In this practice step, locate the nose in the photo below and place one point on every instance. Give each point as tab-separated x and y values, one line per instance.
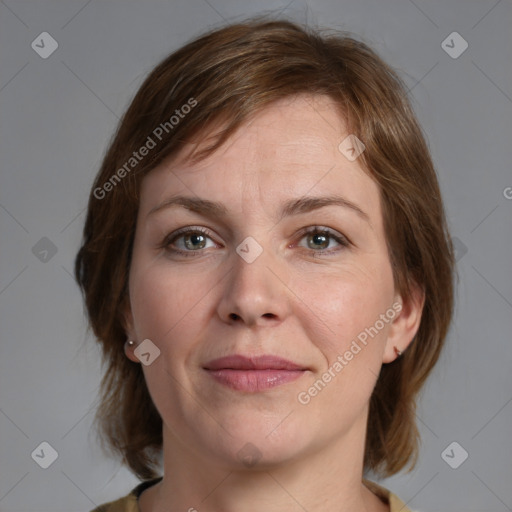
255	293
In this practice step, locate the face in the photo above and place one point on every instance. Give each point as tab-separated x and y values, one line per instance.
272	312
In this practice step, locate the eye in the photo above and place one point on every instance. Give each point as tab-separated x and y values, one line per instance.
191	241
186	241
318	239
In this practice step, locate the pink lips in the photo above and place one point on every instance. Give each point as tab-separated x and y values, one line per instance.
253	374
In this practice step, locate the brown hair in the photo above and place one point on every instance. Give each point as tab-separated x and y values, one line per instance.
224	77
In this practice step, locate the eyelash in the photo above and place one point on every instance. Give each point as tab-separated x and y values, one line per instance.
343	241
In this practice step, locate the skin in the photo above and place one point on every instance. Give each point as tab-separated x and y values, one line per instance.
292	302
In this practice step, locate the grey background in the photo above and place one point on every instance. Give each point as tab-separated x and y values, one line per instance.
57	115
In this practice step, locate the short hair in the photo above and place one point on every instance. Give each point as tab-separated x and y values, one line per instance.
223	77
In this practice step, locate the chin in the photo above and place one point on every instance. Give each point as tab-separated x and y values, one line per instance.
261	442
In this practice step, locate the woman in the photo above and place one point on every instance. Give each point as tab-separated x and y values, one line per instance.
267	267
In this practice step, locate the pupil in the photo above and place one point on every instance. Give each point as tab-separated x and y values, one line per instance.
320	239
191	241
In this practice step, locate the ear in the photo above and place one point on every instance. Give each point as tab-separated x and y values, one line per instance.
405	325
127	320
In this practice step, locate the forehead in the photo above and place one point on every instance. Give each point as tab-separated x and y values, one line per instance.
283	130
288	150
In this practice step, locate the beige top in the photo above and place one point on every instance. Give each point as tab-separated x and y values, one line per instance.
130	502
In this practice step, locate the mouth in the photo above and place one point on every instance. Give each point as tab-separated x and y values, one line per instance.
253	374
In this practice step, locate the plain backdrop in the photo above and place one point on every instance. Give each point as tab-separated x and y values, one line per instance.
57	116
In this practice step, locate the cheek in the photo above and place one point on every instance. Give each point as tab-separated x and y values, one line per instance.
350	336
164	300
341	306
166	306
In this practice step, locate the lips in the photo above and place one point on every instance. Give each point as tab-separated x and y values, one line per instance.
265	362
253	374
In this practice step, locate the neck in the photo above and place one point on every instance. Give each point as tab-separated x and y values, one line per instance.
326	479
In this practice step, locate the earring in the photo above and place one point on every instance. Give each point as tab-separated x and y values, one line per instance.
129	344
397	352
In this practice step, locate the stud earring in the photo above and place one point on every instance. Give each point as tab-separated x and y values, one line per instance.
129	344
397	352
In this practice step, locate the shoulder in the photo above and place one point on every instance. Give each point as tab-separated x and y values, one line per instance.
128	503
395	503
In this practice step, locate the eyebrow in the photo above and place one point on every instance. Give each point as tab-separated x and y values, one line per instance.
291	207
